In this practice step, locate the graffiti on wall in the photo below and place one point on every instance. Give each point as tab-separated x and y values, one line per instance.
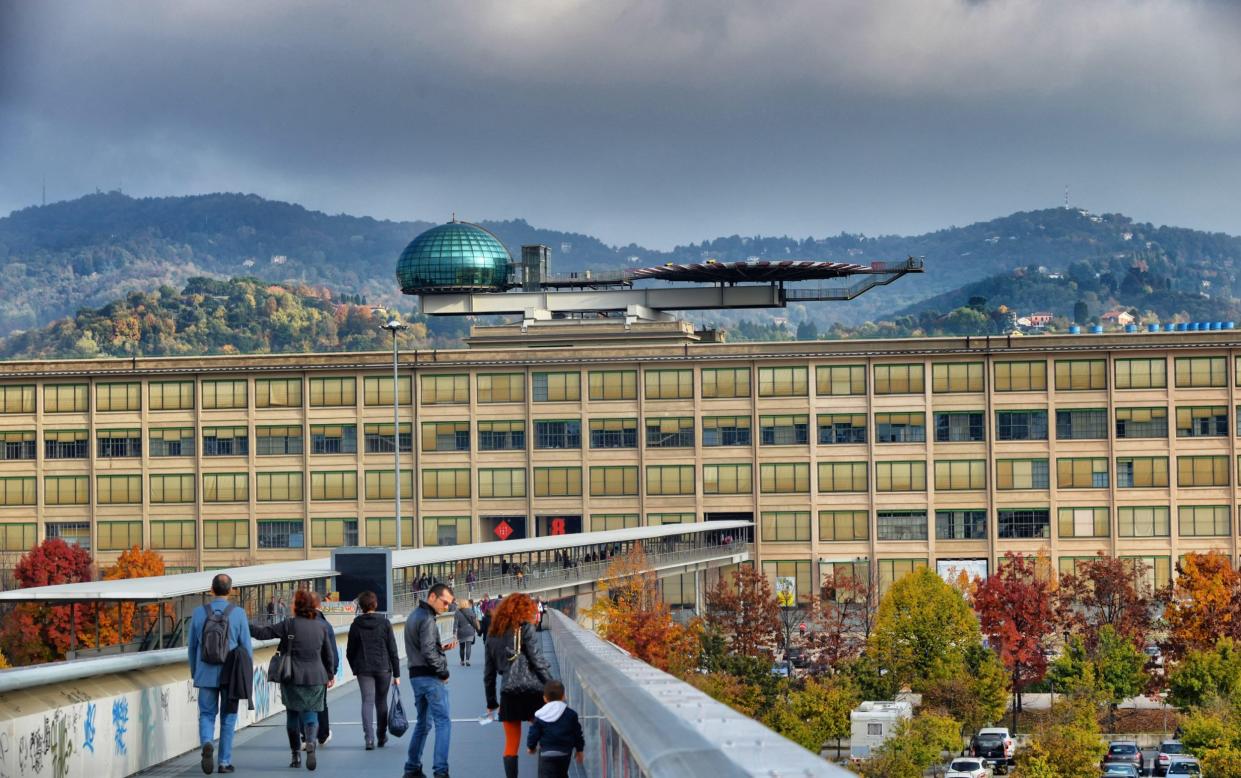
88	728
261	694
120	723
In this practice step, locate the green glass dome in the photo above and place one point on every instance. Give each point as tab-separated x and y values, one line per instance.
457	256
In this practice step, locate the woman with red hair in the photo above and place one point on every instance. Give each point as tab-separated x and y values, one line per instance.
514	653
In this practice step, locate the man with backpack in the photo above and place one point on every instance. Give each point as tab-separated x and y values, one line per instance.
216	629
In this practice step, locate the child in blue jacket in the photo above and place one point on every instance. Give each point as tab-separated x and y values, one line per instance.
556	733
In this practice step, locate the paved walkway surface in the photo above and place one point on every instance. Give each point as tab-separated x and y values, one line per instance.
263	748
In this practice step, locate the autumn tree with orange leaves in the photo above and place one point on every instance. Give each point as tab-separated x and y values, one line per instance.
1203	605
1107	591
35	633
743	610
134	563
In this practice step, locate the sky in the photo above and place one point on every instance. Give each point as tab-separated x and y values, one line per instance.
657	122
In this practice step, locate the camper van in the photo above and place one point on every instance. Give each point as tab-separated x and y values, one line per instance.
872	722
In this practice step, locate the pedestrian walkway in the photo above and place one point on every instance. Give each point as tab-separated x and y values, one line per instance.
262	750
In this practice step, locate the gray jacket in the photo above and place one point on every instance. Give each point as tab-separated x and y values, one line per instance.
423	653
465	624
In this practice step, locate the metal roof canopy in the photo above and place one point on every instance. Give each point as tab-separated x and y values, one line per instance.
765	271
185	584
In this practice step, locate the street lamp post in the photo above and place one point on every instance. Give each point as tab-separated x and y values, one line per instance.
395	325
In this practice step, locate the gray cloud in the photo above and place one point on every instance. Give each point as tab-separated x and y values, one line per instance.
656	121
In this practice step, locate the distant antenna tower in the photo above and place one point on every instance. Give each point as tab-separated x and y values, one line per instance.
1066	197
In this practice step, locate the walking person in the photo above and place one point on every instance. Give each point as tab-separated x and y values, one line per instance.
428	678
325	724
514	653
466	626
216	629
371	651
556	733
304	640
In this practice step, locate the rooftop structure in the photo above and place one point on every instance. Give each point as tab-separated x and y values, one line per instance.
454	257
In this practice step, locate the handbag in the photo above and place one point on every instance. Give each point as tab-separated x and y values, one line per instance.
280	666
397	723
519	679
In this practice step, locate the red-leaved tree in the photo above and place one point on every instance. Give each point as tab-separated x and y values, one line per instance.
744	611
1107	590
35	633
840	621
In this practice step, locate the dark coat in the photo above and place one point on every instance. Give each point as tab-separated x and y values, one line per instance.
371	649
237	679
499	648
423	652
563	735
313	659
331	640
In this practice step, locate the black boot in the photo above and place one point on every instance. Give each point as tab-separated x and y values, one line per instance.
295	745
510	767
312	742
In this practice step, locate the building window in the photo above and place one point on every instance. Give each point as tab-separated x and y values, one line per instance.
959	427
613	433
961	474
1197	372
558	433
118	397
502	436
1021	474
721	382
75	533
670	433
1203	521
842	477
893	570
382	531
899	379
118	443
281	533
445	389
172	488
333	533
336	485
446	484
1148	521
21	491
557	387
660	519
171	395
557	482
1020	376
1084	523
65	398
118	489
226	487
446	436
379	485
277	441
840	380
843	526
333	392
1141	423
1019	523
1141	373
1021	425
841	428
1202	421
949	378
613	481
900	476
17	445
1202	471
343	438
719	479
605	522
226	533
1141	472
377	391
726	431
1081	473
444	530
66	444
791	430
785	526
500	387
278	393
671	479
960	525
900	525
900	427
225	394
1077	375
381	438
613	384
1154	571
171	442
278	487
784	478
1081	424
783	381
119	535
225	442
502	482
61	490
17	398
668	384
174	535
798	570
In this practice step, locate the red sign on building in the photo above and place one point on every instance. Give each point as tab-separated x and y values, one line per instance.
557	526
503	530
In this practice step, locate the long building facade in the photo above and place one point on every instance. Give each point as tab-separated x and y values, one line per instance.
879	455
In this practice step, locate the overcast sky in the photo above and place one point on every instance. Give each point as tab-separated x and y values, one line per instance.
656	121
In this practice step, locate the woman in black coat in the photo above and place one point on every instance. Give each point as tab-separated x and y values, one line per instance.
304	639
372	656
512	625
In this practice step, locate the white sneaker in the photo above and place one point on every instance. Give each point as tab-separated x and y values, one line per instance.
327	739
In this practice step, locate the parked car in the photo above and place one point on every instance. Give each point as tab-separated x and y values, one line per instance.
797	657
1124	751
1184	766
1168	750
968	767
995	745
1125	769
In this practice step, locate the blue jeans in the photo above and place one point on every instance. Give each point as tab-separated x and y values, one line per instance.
298	720
209	698
431	708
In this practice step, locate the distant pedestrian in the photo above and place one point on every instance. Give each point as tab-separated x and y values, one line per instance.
325	722
466	626
216	629
428	678
372	655
556	733
514	654
271	610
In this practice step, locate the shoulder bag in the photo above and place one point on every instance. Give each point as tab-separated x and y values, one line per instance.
280	666
518	679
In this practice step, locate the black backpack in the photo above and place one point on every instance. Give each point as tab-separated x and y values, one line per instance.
214	643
